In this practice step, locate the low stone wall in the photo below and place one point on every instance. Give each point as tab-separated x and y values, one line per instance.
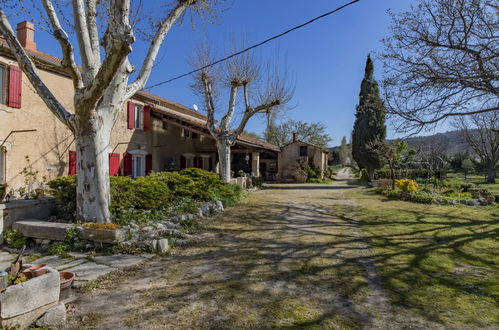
13	211
22	304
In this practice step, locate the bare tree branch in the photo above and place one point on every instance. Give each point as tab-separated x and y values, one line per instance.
442	60
68	61
93	32
163	29
90	63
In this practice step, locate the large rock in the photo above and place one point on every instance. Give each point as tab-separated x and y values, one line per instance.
23	321
53	231
53	317
24	297
163	246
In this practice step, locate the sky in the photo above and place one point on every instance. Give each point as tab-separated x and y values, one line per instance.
325	59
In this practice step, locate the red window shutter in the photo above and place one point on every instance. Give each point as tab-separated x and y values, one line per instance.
127	164
15	83
199	162
148	164
147	118
131	115
72	162
182	162
114	164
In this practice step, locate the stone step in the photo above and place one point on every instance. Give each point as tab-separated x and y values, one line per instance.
33	228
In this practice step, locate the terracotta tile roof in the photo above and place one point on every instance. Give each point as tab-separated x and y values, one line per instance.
179	108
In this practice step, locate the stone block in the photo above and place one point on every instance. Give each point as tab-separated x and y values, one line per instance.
30	295
53	317
23	321
101	235
90	271
122	260
42	229
163	246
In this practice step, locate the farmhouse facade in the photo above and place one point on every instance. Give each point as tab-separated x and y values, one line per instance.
297	154
150	134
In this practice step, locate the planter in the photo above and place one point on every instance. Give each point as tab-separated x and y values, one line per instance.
35	271
67	279
101	235
22	304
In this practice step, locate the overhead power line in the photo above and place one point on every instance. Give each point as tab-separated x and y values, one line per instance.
255	45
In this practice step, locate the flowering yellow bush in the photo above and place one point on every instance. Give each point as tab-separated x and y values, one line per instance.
407	185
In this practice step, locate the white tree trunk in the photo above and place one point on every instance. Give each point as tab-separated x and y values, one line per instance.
93	191
224	167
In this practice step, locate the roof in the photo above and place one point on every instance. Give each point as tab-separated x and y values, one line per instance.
158	100
307	143
200	122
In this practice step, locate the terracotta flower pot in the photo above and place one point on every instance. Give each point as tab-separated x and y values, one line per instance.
35	270
67	279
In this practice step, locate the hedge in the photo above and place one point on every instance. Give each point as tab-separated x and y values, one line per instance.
153	192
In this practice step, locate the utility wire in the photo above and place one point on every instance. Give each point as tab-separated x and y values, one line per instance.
254	46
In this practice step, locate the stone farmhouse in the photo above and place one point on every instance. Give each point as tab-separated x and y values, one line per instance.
299	152
150	134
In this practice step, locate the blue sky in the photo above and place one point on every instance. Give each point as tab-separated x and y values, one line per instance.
326	59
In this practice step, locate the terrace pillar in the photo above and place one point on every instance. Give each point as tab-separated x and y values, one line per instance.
255	164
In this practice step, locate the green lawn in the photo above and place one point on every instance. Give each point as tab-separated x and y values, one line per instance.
476	179
441	262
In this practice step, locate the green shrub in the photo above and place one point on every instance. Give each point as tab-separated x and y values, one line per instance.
257	182
319	181
14	239
63	189
59	249
152	197
229	194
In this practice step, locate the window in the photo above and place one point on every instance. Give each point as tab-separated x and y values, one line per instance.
303	151
186	133
189	161
205	163
138	166
139	116
3	84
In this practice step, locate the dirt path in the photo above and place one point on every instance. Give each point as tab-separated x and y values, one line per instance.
284	258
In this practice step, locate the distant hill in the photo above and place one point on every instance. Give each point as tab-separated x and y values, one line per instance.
452	141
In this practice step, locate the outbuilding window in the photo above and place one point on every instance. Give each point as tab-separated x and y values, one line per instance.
303	151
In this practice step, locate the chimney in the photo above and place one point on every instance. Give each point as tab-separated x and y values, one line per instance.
26	35
295	137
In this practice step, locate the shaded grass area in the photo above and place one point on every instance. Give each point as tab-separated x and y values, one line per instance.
264	264
441	262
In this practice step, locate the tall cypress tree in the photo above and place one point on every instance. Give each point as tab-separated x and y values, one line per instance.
369	123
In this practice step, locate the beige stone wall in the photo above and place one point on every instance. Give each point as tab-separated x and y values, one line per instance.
47	147
290	154
169	145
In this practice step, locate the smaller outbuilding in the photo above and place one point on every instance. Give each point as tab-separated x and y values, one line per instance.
297	158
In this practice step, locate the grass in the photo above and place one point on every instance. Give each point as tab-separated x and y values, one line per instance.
476	179
440	262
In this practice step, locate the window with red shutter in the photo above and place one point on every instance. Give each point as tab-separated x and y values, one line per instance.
148	164
72	162
131	115
147	118
15	84
127	164
114	164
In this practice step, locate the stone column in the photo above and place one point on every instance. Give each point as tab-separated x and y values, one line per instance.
255	164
